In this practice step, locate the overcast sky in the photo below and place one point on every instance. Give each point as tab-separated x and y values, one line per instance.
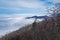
13	12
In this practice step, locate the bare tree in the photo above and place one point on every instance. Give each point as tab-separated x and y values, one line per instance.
55	10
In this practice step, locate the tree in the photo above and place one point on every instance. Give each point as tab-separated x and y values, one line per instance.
55	11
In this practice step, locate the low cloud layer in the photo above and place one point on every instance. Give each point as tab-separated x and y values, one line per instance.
12	22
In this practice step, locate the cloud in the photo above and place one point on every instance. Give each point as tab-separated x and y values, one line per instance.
22	3
12	22
23	6
20	6
31	4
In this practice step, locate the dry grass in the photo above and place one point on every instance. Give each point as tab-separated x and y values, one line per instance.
45	30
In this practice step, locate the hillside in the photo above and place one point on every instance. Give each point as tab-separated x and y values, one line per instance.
48	29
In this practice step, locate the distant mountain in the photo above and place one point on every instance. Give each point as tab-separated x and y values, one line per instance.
44	30
39	17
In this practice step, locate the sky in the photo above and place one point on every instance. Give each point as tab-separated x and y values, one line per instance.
13	12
